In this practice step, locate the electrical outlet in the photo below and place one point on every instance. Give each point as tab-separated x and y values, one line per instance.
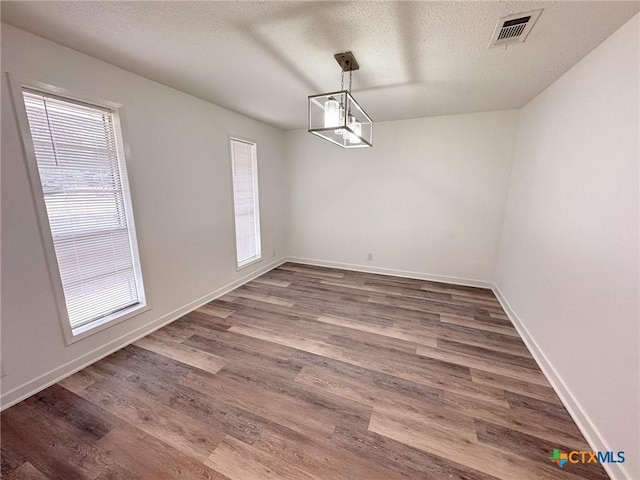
369	256
274	253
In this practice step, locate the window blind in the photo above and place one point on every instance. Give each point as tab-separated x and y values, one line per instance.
84	184
245	198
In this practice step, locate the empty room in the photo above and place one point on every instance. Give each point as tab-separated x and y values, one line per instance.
320	240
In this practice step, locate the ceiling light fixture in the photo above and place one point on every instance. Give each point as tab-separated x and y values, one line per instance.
336	116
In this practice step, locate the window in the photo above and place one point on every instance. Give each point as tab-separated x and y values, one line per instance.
245	201
85	189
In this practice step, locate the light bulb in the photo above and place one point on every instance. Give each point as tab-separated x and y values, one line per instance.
331	114
340	131
356	127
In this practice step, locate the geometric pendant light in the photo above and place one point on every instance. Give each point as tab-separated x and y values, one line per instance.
337	117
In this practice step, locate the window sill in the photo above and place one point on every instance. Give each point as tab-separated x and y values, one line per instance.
103	323
248	263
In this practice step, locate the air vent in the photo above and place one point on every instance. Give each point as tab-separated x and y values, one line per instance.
514	29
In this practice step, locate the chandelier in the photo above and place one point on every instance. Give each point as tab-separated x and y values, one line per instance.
336	116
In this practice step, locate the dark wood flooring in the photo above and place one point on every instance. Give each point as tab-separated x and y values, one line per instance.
307	373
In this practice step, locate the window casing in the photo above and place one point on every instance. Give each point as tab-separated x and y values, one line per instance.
244	170
78	172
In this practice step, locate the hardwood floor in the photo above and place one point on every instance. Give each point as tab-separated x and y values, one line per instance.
307	373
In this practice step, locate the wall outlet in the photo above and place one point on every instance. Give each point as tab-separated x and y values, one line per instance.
369	256
274	253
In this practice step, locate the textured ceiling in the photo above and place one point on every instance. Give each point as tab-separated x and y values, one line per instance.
262	59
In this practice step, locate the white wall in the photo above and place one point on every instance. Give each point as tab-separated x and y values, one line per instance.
568	262
180	181
428	198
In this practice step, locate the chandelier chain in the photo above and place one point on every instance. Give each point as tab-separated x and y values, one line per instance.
342	80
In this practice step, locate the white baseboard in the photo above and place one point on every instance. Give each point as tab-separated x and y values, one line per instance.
580	417
7	399
584	423
393	273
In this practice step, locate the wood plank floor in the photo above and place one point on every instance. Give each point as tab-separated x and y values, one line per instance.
307	373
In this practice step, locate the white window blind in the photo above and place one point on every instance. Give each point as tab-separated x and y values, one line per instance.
245	199
86	196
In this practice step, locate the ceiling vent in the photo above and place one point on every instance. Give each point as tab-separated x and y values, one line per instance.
514	29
